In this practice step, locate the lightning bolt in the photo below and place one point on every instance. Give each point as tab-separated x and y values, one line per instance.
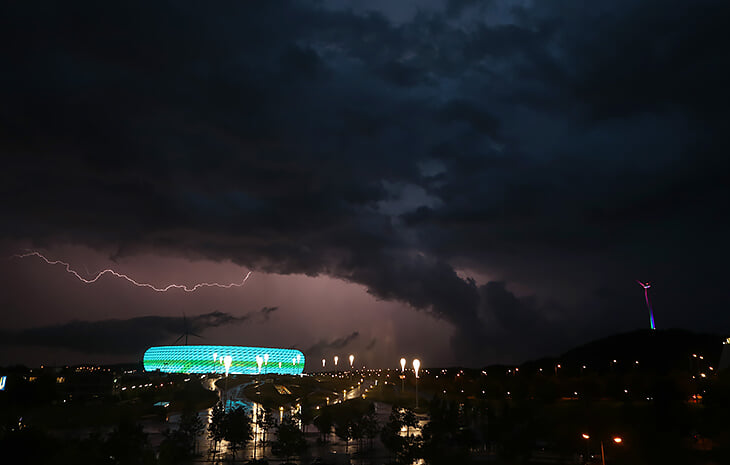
129	279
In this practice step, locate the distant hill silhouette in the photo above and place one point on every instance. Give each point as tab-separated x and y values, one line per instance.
669	349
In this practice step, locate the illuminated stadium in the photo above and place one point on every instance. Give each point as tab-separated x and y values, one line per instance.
235	360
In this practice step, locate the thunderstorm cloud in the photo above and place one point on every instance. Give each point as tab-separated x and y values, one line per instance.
508	167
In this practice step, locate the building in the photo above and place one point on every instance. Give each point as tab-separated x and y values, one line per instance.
235	360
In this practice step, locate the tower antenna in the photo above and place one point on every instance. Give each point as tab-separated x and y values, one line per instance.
646	287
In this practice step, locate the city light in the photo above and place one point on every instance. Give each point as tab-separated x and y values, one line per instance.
416	366
227	360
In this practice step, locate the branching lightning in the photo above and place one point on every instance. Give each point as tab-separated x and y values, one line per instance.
129	279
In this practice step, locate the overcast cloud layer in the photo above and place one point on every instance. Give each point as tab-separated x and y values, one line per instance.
559	149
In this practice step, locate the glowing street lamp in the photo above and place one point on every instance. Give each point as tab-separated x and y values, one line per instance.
416	366
323	362
336	359
402	374
259	362
227	360
587	457
352	359
615	439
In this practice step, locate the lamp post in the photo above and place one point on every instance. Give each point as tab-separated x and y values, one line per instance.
615	439
227	360
323	362
336	359
402	375
352	359
587	457
416	366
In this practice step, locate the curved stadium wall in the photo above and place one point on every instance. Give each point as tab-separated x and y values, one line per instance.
200	359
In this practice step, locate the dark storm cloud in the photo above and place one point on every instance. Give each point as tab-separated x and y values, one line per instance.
323	347
568	148
266	312
122	336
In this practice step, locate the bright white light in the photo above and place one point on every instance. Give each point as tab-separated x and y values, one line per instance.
227	362
336	359
259	362
323	362
352	359
266	359
402	364
416	366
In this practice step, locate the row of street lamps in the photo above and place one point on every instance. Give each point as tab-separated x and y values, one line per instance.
337	359
416	367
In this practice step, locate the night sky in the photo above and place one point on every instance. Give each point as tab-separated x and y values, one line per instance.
467	181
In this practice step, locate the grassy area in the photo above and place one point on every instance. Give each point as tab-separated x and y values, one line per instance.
132	406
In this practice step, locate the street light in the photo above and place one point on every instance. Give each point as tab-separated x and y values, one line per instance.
587	457
416	366
336	359
615	439
402	374
352	359
323	362
227	360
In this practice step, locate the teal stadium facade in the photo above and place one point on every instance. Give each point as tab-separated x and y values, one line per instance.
211	359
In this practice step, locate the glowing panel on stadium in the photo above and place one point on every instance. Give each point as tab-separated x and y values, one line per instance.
235	360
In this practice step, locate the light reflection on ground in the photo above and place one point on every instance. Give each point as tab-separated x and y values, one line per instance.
334	451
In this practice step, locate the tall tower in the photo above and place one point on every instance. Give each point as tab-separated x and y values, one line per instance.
646	287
